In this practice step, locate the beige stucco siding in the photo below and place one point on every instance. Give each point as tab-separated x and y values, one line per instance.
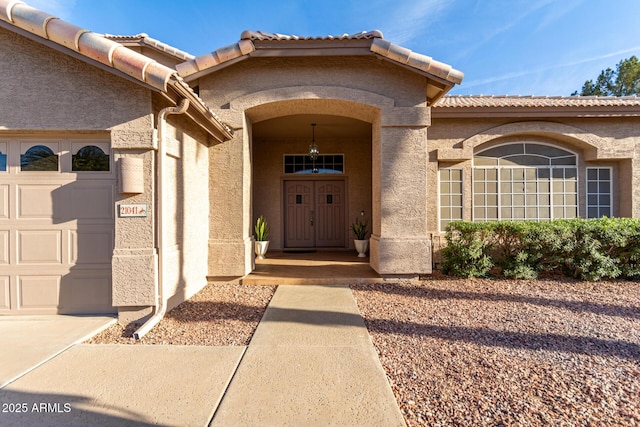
45	90
186	210
363	73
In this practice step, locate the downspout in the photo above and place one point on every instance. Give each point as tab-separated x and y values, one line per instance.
161	304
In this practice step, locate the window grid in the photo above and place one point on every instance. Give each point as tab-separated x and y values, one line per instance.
303	164
451	200
599	192
537	194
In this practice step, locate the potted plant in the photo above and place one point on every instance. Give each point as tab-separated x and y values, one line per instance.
361	242
262	234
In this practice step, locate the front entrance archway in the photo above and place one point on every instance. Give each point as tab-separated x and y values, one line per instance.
314	214
311	207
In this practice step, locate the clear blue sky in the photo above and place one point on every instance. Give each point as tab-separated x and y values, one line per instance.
514	47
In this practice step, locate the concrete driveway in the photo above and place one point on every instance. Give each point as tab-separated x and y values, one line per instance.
28	341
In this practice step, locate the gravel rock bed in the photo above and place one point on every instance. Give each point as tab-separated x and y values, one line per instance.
499	352
218	315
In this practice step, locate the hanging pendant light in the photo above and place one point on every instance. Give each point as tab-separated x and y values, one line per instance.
313	147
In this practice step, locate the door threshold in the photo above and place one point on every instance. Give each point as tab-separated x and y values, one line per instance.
299	251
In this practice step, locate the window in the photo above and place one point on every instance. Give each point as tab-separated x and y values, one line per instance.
598	192
90	159
39	158
450	196
525	181
302	164
3	162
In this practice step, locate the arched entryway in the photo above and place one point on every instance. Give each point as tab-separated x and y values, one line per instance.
309	203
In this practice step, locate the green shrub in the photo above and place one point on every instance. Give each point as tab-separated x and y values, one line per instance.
465	251
592	249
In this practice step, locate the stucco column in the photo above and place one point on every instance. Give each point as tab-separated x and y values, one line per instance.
400	244
134	260
230	240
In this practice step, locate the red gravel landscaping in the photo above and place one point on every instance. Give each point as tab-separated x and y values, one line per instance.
499	352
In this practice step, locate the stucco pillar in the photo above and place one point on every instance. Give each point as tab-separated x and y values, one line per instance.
134	260
230	240
400	244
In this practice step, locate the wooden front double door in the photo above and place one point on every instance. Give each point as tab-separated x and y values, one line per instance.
314	214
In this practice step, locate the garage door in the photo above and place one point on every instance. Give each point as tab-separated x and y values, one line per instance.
56	226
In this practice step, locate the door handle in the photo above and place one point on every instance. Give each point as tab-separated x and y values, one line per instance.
312	217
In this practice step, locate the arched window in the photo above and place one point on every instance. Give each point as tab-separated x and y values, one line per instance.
90	159
525	181
39	158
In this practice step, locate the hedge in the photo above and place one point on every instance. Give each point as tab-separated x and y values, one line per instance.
586	249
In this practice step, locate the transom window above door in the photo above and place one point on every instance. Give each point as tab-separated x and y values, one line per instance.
303	164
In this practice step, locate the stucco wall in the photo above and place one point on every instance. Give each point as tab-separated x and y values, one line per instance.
43	89
407	89
186	210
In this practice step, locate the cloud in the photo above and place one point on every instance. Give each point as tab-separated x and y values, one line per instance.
519	74
61	8
504	15
556	12
411	19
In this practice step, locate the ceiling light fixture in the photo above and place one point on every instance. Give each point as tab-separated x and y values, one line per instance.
313	147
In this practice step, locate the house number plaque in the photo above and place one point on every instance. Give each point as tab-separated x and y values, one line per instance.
132	211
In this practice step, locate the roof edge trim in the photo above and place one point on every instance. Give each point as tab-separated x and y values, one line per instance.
421	62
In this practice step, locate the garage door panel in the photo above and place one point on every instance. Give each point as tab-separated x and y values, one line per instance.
39	292
40	247
87	293
5	293
4	201
56	233
91	201
91	246
4	247
37	202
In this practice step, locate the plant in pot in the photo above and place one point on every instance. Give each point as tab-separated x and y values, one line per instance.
262	234
361	242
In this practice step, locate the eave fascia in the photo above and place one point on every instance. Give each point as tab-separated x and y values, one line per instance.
206	72
199	112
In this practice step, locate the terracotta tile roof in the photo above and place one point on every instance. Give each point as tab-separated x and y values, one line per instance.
506	101
262	35
143	39
245	47
110	53
415	60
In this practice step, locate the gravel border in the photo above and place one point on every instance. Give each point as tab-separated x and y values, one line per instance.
499	353
218	315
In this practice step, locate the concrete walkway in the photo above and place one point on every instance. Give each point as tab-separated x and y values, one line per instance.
28	341
310	362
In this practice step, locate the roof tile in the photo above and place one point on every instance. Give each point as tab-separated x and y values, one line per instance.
262	35
505	101
144	39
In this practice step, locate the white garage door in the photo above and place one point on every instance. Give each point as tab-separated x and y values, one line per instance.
56	226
